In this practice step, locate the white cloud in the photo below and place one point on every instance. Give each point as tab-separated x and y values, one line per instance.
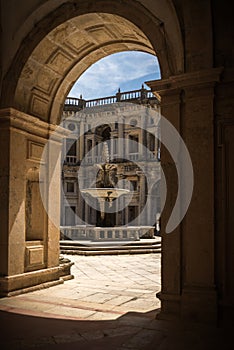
108	74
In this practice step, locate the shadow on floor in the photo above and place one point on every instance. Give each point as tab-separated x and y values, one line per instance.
134	330
20	331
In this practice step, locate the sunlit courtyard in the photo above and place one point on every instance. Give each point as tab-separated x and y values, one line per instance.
113	290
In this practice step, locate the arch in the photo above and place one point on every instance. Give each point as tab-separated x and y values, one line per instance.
37	91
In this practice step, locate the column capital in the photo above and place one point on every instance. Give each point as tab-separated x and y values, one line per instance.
181	81
20	121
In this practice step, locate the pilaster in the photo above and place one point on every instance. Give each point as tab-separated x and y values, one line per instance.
29	239
171	243
188	286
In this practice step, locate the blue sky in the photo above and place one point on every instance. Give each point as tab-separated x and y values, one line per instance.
124	70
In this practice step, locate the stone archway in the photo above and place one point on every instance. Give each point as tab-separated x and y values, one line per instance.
51	57
65	53
34	82
31	105
196	95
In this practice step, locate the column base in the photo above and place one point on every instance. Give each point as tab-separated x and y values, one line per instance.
199	304
170	306
195	305
31	281
226	313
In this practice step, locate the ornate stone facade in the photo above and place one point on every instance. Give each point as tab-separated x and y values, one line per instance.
130	131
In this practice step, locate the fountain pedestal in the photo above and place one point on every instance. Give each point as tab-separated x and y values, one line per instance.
105	191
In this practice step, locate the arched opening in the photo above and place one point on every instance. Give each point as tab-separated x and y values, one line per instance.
51	59
38	70
120	72
52	64
66	52
125	138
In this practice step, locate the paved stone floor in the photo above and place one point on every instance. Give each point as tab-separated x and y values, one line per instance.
110	304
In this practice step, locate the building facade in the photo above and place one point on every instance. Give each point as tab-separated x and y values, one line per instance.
128	124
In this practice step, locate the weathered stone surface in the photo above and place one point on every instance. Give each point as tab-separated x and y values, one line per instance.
40	60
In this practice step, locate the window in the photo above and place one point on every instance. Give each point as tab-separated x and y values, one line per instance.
115	145
70	187
133	143
133	185
133	122
96	148
151	144
89	145
71	126
71	147
70	216
132	213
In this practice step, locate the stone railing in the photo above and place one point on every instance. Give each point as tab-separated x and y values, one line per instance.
134	96
71	160
150	156
93	233
74	161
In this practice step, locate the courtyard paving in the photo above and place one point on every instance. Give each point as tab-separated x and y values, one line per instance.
110	304
104	288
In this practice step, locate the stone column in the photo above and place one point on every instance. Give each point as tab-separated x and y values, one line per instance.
29	240
142	174
116	213
110	148
199	290
171	257
143	138
121	137
188	286
80	200
78	144
152	176
81	141
224	97
93	148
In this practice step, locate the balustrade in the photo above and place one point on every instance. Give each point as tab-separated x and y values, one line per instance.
71	160
135	95
83	232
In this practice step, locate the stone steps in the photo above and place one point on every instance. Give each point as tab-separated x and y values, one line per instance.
109	248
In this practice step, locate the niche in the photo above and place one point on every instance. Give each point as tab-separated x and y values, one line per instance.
35	213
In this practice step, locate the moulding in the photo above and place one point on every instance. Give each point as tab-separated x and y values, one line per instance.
28	124
186	80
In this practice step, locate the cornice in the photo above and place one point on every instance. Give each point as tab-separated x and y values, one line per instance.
186	80
12	118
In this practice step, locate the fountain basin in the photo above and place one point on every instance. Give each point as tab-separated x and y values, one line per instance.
105	195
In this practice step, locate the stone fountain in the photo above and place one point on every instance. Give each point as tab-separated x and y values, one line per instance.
105	189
